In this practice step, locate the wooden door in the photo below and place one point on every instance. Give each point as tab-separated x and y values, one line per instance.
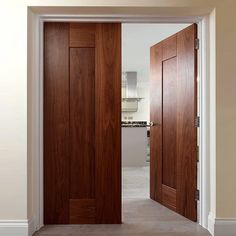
82	117
173	162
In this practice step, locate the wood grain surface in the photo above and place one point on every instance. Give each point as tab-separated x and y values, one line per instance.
56	123
169	122
173	174
82	123
108	123
82	35
156	117
187	133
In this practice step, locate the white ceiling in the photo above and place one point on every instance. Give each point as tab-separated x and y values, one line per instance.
136	42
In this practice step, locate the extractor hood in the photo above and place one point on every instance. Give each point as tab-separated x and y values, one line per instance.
130	97
131	91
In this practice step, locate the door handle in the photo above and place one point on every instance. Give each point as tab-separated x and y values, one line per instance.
151	123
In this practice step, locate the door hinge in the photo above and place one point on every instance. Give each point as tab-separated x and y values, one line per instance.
197	195
197	42
197	153
197	121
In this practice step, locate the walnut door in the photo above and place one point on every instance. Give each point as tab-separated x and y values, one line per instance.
173	137
82	134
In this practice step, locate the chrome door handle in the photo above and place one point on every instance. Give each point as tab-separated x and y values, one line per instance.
151	123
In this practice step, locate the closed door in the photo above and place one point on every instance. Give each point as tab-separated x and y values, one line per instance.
82	134
173	137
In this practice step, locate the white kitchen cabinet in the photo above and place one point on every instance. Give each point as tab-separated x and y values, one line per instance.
134	146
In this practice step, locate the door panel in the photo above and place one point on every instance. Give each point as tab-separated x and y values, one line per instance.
156	117
169	48
169	122
82	177
82	123
82	135
82	211
169	197
56	134
108	122
82	35
174	109
187	112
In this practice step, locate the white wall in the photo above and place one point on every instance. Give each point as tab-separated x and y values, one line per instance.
13	93
13	113
136	42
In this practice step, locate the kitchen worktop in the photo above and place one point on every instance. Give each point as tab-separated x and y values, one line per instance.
133	124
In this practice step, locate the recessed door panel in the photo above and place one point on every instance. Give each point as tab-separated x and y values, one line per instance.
82	135
82	123
169	122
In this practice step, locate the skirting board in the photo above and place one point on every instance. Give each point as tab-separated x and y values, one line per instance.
221	226
16	227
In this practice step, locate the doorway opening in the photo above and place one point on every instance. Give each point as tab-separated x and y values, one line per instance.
38	132
137	40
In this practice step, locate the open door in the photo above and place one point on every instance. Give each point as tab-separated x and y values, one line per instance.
173	136
82	133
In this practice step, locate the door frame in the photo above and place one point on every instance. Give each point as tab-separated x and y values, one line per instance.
35	103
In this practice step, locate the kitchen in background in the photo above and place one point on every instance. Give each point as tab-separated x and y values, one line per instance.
135	120
136	42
